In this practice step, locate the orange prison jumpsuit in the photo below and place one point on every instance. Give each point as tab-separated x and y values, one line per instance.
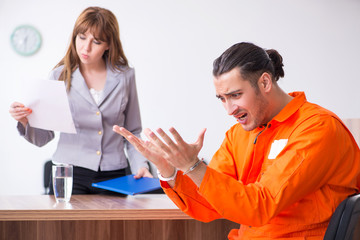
280	181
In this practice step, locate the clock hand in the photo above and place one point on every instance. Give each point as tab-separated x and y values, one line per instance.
25	41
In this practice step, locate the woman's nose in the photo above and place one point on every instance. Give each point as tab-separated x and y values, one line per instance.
88	46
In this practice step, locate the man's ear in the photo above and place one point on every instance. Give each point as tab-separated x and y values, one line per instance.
265	82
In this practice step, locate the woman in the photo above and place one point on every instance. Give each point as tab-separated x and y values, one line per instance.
102	92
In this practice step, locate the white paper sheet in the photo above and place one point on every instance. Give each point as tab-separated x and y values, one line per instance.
49	103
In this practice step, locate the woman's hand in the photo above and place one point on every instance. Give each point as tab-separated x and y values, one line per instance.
143	172
19	112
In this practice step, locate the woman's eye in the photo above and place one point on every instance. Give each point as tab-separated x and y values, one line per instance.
97	42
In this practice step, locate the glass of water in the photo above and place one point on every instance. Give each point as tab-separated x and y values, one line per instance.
62	176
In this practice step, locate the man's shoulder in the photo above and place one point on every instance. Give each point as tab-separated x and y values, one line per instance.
314	111
313	116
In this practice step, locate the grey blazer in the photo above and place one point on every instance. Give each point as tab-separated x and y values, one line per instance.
96	145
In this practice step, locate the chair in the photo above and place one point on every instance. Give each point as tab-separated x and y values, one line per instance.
345	222
47	175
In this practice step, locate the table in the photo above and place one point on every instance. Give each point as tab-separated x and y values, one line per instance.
102	217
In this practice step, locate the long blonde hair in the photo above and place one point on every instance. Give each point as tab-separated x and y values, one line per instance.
104	26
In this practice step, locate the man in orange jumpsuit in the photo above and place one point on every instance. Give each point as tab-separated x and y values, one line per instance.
281	170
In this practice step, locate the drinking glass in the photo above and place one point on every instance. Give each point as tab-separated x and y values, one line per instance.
62	176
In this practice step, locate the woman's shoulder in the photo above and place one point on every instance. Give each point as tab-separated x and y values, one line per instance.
55	73
124	69
124	72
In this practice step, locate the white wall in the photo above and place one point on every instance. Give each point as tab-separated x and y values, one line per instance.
172	45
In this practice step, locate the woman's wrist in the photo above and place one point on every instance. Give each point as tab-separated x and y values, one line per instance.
24	122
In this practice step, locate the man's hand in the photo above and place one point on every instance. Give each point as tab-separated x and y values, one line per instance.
167	154
179	154
148	150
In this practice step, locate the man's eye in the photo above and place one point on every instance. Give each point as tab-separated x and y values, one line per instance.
235	95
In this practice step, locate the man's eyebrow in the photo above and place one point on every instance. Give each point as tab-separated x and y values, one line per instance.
229	93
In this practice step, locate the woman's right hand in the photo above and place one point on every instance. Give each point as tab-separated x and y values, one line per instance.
19	112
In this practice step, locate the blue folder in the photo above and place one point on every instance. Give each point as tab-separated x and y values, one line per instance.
129	185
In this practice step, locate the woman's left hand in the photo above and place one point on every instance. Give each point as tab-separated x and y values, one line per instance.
143	172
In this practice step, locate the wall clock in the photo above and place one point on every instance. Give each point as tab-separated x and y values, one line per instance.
25	40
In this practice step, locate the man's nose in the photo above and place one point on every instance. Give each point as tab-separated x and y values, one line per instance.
230	107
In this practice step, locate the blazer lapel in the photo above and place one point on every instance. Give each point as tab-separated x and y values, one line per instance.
112	80
78	84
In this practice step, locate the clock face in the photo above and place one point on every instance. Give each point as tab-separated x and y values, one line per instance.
25	40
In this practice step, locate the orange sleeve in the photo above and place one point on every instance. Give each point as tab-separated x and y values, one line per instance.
186	197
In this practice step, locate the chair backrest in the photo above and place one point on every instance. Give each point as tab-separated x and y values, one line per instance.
345	222
47	175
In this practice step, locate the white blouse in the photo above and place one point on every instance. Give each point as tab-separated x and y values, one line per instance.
96	95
